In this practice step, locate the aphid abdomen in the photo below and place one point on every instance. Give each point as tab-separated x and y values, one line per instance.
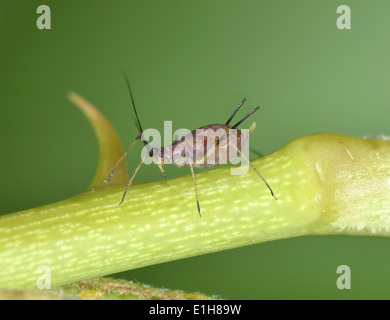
211	145
206	147
225	151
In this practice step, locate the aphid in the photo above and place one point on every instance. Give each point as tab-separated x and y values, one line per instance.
177	153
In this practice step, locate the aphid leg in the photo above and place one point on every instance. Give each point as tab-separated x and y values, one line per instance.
196	190
162	170
252	166
132	178
120	160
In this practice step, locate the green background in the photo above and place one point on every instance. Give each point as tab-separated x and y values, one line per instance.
192	62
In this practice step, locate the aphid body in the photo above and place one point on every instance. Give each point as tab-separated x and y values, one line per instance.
206	146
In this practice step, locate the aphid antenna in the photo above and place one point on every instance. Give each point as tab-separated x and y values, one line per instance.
138	122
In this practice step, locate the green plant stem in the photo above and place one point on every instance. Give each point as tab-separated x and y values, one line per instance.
325	184
102	289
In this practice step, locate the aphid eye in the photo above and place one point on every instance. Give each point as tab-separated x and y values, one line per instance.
151	153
